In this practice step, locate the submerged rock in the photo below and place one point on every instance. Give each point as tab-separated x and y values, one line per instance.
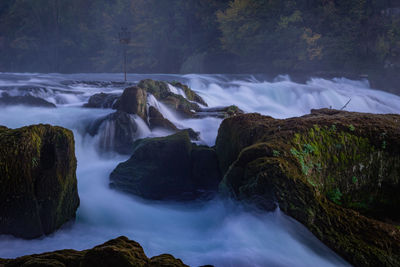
103	100
38	186
335	172
120	252
26	100
168	168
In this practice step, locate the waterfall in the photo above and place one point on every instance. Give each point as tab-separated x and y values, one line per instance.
216	232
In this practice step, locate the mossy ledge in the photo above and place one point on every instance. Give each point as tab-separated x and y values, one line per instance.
38	186
336	172
116	252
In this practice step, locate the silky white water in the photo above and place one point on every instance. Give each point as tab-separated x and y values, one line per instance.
217	232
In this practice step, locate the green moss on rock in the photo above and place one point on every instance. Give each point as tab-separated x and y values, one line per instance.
38	186
312	177
161	91
120	252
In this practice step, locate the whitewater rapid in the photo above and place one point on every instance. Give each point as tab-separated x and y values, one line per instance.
217	232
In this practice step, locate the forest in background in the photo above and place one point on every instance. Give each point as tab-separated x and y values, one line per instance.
201	36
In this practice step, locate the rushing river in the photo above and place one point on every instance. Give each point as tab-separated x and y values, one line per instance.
217	232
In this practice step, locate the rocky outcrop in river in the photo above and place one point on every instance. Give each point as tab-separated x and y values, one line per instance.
120	252
119	130
26	100
336	172
38	186
168	168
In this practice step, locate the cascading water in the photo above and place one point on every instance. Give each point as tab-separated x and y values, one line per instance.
176	91
217	232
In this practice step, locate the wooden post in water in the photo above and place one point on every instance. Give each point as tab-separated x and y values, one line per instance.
124	39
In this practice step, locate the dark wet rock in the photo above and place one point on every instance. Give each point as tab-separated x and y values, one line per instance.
118	131
38	186
133	101
120	252
168	168
193	135
102	100
335	172
157	120
26	100
219	112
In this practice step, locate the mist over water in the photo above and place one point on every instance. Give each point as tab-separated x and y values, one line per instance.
217	232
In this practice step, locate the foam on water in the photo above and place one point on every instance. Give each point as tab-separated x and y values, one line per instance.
218	232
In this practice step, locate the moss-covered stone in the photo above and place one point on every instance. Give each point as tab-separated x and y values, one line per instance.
120	252
38	186
168	168
336	172
161	91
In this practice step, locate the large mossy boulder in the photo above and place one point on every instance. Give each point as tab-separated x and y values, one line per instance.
38	186
336	172
120	252
168	168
